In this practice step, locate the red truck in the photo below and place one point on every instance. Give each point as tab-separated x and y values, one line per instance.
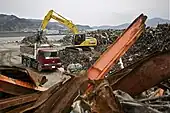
40	56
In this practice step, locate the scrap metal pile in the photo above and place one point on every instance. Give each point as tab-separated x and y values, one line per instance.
141	87
40	38
106	96
151	40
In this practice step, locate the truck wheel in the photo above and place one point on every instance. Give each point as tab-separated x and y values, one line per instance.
39	68
29	63
34	64
24	62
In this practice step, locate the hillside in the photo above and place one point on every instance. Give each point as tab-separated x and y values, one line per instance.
150	22
14	23
154	21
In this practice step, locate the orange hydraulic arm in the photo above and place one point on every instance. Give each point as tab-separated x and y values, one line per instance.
117	49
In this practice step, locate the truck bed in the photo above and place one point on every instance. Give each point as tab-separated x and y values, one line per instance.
27	50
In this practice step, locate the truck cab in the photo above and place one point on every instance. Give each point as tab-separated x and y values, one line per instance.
47	59
41	57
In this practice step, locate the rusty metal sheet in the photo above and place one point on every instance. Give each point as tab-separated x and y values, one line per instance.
18	100
17	87
37	78
21	108
17	73
17	81
24	74
109	58
104	101
59	97
142	75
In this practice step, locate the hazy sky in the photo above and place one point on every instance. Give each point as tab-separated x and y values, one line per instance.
91	12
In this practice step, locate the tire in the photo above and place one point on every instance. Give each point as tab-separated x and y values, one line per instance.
24	62
34	64
39	68
28	63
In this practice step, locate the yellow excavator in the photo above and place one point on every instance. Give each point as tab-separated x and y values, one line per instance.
79	40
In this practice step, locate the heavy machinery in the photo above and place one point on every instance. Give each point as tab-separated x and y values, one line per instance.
132	79
60	97
40	56
79	40
69	89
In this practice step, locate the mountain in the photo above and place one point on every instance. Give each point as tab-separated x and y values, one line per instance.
14	23
103	27
154	21
83	27
150	22
122	26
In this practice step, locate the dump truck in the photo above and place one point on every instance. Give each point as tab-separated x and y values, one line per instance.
40	56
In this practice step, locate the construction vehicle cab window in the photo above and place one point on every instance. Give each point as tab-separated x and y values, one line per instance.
48	54
79	38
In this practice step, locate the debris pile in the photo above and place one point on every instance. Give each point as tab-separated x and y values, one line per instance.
114	94
66	40
151	40
105	37
18	81
86	59
158	104
29	40
139	87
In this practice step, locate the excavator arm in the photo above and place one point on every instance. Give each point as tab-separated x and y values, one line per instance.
68	23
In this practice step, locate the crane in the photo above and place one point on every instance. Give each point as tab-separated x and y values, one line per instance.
79	40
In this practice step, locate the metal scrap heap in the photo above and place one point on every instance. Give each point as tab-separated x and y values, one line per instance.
140	87
120	93
151	40
36	38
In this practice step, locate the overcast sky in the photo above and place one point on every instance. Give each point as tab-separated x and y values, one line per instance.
91	12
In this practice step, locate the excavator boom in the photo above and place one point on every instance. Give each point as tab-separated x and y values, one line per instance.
68	23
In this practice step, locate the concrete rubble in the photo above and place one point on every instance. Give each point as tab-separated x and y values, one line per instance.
153	39
141	86
35	38
106	96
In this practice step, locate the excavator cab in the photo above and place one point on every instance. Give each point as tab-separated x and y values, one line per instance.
79	38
